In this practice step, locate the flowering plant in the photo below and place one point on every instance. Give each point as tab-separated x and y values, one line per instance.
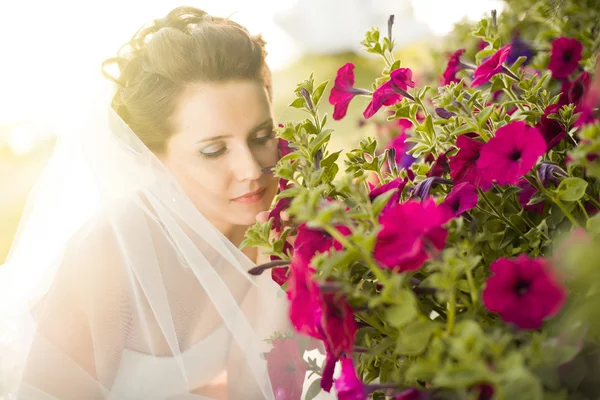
459	274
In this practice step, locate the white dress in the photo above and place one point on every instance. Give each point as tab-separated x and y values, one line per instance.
162	374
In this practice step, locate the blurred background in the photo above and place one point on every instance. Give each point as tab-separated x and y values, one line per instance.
51	52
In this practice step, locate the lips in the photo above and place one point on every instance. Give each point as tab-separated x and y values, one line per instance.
251	197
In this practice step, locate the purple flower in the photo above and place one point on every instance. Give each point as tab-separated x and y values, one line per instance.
312	241
564	57
551	173
348	386
551	129
463	165
463	197
281	205
424	187
403	159
454	65
523	291
511	153
490	67
519	48
280	274
391	91
443	113
343	91
413	394
411	231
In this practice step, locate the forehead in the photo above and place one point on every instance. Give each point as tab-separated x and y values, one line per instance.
227	108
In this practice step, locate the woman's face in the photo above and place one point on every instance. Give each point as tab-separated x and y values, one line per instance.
223	138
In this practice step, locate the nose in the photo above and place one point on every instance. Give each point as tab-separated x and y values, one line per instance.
245	166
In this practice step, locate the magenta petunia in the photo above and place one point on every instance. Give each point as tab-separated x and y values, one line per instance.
411	232
305	302
523	291
511	153
463	165
275	213
440	166
390	92
463	197
552	131
343	91
454	65
287	368
310	241
397	184
280	275
564	57
574	92
339	331
348	386
490	67
526	193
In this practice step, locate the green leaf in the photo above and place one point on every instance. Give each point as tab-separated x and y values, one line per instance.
414	338
330	159
483	115
298	103
318	142
404	311
571	189
593	225
316	96
313	390
381	200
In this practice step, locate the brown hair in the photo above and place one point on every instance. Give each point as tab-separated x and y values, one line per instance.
167	55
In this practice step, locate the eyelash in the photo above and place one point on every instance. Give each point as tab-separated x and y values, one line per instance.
258	141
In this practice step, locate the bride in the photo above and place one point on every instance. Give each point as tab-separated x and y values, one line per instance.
147	295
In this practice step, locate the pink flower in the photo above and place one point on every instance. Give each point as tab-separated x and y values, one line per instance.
275	213
391	91
280	274
564	57
551	129
463	197
284	146
343	91
287	368
523	291
410	232
463	165
348	386
413	394
440	166
454	65
511	153
403	159
490	67
309	242
574	92
398	184
339	329
526	193
305	301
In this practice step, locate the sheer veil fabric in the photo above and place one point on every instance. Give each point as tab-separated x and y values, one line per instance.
116	287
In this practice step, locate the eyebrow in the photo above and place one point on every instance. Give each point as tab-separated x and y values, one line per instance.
267	123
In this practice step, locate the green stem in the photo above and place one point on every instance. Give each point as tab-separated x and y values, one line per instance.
472	289
451	312
500	215
583	210
538	185
337	235
375	324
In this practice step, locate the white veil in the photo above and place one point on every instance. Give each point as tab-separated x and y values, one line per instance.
116	287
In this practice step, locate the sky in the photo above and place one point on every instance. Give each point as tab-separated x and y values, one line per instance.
52	49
